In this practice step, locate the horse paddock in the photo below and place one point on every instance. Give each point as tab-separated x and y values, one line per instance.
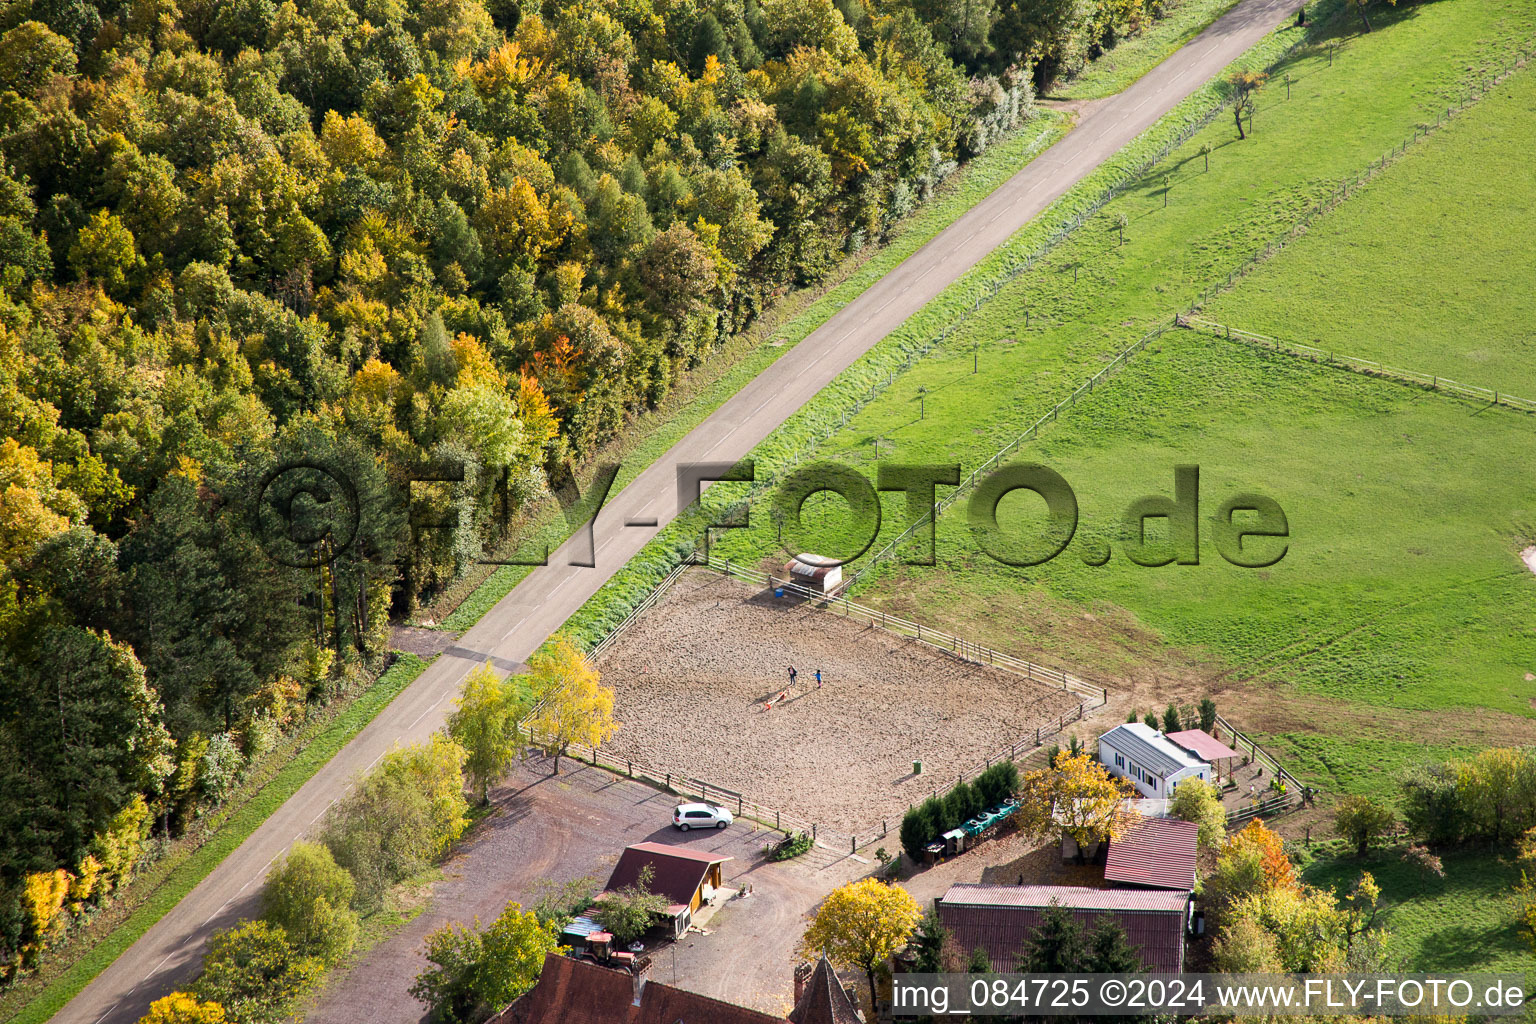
692	675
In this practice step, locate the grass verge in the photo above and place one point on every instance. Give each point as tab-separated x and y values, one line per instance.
1117	68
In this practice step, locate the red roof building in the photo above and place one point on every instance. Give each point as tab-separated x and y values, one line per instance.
1156	852
685	876
1203	745
1001	919
580	992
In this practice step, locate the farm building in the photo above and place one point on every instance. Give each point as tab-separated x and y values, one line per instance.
1157	853
1001	918
688	878
1150	760
814	572
577	992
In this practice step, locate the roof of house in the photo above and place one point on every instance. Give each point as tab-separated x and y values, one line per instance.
1149	748
1157	852
679	870
579	992
1203	745
824	1000
1001	919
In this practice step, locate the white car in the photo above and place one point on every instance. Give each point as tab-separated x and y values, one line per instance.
687	816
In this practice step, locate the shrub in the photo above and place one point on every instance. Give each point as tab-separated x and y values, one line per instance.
1195	800
221	766
961	804
475	975
1420	857
916	831
399	818
255	973
181	1008
997	783
629	912
310	896
792	845
558	904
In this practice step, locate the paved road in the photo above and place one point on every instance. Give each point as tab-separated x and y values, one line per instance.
169	952
559	828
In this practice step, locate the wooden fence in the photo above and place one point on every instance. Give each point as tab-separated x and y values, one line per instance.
967	650
1358	364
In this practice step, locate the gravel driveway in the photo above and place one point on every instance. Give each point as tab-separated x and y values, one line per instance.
561	828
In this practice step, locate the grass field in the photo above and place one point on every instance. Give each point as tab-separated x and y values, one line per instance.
1123	64
1370	279
1461	922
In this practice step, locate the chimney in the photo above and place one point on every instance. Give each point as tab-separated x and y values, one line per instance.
802	975
641	969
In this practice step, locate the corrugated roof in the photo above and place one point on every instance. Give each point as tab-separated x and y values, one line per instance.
1156	851
580	992
992	918
1149	748
679	870
1070	896
1203	745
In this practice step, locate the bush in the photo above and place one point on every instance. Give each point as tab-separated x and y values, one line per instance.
255	973
475	975
310	896
792	845
961	804
401	816
916	830
1195	800
629	912
997	783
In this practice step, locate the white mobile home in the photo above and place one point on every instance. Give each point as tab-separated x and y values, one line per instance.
1153	762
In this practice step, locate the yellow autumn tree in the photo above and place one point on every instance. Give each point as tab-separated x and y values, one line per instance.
1076	797
862	924
181	1008
42	899
572	706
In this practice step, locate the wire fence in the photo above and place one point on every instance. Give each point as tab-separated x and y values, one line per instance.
1083	390
1373	169
1360	365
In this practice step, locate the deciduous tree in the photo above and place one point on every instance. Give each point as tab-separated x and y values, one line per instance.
862	924
571	706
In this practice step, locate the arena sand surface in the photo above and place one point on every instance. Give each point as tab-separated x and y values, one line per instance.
691	675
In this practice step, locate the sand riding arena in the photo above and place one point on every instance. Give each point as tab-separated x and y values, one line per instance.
692	675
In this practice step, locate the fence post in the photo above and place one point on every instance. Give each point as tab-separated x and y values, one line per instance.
776	826
738	803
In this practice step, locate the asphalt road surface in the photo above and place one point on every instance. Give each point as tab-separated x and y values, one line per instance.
169	953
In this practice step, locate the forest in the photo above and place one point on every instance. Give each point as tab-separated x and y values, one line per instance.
388	241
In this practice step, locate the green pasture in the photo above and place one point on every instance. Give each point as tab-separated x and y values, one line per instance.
1430	267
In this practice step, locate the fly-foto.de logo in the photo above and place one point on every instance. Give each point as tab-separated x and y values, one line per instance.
1247	529
1020	514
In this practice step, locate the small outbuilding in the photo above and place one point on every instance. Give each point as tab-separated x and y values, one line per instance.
813	572
1151	761
687	877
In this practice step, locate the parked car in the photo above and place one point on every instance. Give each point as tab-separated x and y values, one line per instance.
687	816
